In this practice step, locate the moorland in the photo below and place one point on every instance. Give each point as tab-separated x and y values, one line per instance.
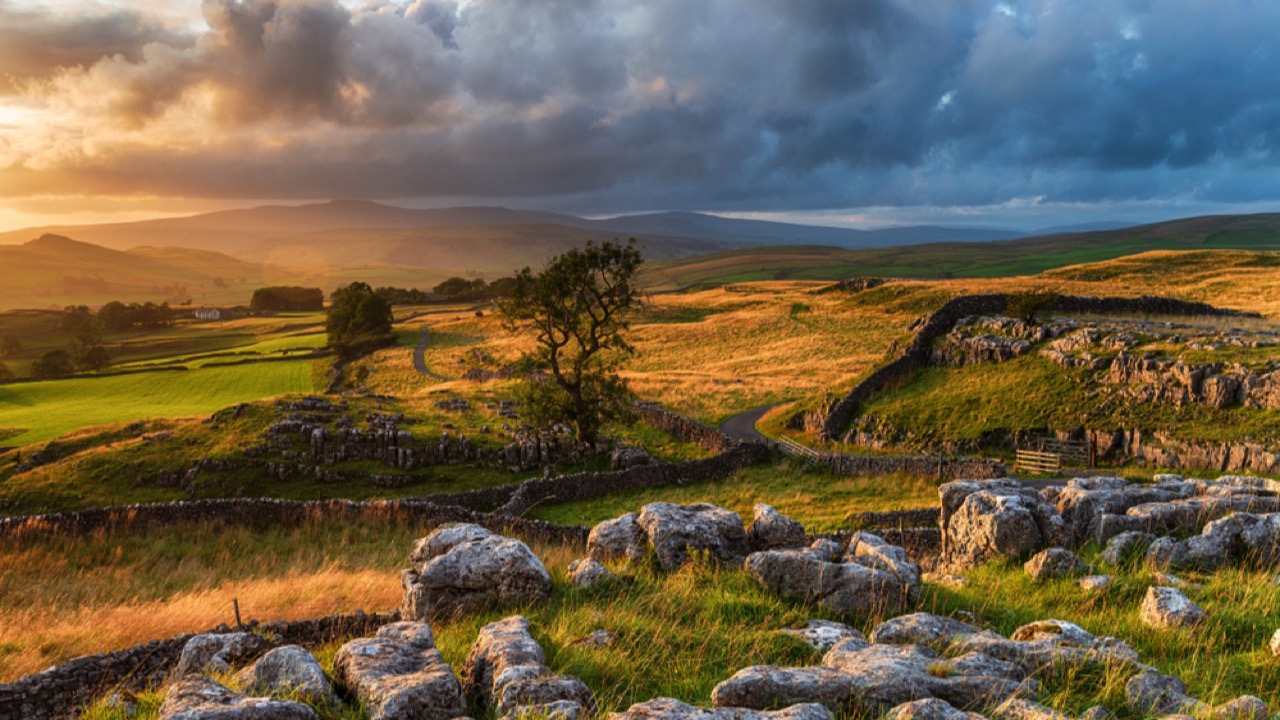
194	411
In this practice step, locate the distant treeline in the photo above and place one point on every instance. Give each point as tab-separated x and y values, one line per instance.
116	316
455	289
284	298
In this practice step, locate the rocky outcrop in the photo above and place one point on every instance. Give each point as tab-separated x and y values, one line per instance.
506	669
673	531
871	576
859	678
994	519
289	670
1237	538
197	697
460	567
1166	607
399	675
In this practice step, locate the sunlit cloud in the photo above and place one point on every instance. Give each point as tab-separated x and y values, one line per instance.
603	106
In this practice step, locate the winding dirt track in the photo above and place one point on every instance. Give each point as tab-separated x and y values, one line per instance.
419	360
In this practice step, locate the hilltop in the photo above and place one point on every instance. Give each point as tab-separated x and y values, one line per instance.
53	270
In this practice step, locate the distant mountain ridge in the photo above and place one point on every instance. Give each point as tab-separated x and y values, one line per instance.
234	231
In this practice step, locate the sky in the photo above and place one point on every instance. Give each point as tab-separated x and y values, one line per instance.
1029	114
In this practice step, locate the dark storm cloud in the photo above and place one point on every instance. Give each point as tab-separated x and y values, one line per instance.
34	46
716	104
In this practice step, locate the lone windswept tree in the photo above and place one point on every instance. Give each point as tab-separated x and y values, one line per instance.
576	309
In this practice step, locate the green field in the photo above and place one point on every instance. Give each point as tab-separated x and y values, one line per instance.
46	410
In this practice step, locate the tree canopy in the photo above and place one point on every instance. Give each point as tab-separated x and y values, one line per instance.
357	319
284	298
576	310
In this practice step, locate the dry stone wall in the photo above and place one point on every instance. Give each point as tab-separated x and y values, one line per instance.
60	691
920	352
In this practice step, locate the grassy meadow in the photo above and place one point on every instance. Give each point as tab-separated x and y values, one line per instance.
153	583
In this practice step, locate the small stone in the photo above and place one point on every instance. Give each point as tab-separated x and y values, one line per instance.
1168	580
1275	644
1053	563
598	640
1095	583
1097	712
823	635
1166	607
589	572
955	582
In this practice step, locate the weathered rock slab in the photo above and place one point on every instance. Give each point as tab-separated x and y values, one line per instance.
290	670
1166	607
197	697
399	675
462	567
675	530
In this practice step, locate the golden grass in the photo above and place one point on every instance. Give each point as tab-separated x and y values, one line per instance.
33	638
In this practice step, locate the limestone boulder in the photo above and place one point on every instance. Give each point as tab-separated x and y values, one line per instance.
771	530
1166	607
1126	546
844	587
621	538
766	686
676	530
460	568
399	675
289	670
995	521
589	572
822	635
670	709
218	653
1053	563
1275	644
935	631
874	552
930	709
197	697
1095	583
506	668
886	676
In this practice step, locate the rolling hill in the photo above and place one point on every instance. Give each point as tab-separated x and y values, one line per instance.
246	230
1024	256
54	271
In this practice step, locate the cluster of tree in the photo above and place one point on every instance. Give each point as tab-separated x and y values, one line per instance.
115	316
576	310
357	319
455	289
284	298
